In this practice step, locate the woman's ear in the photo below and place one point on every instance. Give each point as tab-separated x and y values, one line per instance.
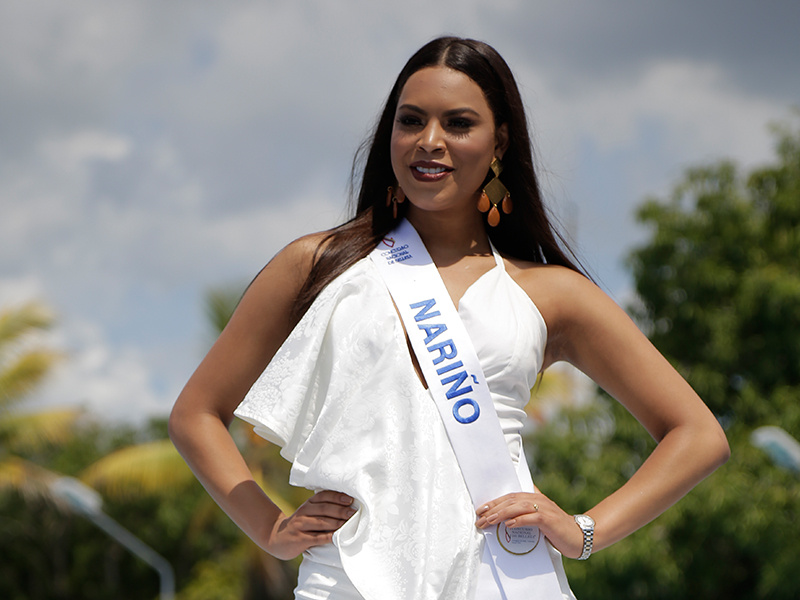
501	140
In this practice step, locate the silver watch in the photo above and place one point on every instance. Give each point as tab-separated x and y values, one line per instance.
586	523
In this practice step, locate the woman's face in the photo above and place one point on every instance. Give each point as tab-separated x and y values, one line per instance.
443	140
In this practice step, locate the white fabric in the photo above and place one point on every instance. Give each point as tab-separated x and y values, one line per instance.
321	576
343	401
520	567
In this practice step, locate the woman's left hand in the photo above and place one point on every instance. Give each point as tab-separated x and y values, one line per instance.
522	509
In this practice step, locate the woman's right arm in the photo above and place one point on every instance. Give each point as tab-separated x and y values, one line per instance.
198	425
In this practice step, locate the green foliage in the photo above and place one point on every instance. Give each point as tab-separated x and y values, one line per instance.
719	283
731	537
46	553
219	306
22	366
24	363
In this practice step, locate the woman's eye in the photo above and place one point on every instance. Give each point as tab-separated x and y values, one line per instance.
409	121
459	123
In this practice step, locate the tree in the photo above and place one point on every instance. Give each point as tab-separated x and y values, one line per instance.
719	288
50	553
47	552
24	364
720	285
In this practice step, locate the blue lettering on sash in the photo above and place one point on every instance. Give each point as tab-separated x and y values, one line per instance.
476	411
456	380
443	353
432	331
447	351
425	305
450	367
400	258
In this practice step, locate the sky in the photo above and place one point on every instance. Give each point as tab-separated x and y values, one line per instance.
151	151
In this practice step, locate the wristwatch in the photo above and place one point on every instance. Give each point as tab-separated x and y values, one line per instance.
586	523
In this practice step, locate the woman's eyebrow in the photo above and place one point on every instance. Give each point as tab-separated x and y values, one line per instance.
447	113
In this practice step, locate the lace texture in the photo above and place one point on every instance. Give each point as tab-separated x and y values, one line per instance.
342	400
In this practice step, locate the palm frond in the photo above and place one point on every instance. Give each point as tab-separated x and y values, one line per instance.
26	432
153	468
23	374
26	478
18	321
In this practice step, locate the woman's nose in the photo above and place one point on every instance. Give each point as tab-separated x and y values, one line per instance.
431	137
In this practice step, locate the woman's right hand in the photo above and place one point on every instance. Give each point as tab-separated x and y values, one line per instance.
313	524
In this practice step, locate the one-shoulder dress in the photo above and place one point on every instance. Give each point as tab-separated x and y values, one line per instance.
343	401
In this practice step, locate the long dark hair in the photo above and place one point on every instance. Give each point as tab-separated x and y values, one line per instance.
527	233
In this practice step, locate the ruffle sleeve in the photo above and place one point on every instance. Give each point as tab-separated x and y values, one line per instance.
343	401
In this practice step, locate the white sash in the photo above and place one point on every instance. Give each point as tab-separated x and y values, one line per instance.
518	559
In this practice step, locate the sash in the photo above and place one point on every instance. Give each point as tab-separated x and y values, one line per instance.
516	562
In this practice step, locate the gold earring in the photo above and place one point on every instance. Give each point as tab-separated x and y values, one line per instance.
394	198
495	194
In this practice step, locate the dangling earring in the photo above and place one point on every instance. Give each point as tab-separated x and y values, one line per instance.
494	194
395	198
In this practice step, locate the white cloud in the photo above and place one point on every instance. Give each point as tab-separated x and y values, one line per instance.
75	150
697	112
18	290
112	384
608	145
107	265
149	150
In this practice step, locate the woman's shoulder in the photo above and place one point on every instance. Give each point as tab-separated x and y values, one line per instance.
572	305
303	250
281	279
294	261
561	294
541	279
291	266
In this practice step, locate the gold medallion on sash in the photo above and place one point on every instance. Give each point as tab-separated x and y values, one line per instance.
518	540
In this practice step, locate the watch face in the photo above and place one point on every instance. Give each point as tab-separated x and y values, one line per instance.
585	521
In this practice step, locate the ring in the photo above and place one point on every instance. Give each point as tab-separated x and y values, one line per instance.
535	508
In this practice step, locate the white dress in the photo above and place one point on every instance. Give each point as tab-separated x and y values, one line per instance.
343	401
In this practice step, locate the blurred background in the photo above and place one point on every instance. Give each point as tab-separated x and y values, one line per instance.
154	156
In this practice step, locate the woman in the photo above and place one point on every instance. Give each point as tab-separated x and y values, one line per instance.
343	392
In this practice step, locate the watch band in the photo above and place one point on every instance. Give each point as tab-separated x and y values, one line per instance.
586	523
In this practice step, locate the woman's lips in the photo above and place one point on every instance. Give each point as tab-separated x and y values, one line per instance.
429	171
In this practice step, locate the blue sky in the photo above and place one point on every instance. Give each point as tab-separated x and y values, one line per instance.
152	150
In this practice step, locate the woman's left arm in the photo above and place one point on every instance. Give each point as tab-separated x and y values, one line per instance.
587	329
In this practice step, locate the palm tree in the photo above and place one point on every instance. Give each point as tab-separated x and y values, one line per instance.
146	469
155	468
24	364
